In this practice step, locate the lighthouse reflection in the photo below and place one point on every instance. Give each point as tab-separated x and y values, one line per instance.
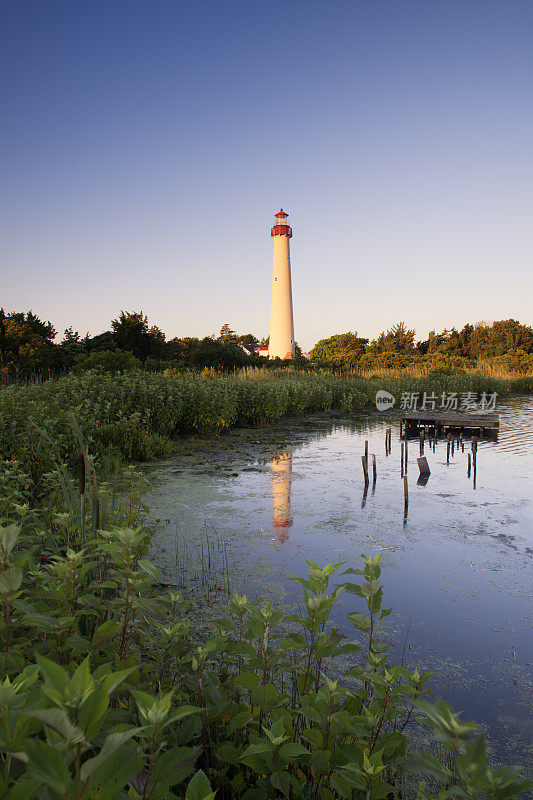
281	492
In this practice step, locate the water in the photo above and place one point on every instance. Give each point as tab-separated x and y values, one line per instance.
457	570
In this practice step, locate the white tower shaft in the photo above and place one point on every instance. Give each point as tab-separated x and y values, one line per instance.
281	344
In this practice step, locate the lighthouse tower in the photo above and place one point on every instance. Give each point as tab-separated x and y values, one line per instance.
281	344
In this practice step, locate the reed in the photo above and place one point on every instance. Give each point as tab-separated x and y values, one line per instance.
140	416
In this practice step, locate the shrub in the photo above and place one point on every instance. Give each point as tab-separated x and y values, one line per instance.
112	361
106	691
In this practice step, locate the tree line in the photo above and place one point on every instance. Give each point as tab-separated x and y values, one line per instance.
29	346
505	344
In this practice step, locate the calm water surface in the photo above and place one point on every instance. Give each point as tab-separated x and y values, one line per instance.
457	571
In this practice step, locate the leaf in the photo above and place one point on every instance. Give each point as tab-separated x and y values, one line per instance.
176	764
290	750
111	682
282	782
360	621
93	711
228	752
149	568
112	743
247	680
181	713
255	756
58	720
8	538
104	632
55	676
199	787
110	778
239	721
10	580
24	788
47	764
426	764
381	790
353	588
81	683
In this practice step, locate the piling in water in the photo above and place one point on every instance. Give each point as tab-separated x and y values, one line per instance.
365	469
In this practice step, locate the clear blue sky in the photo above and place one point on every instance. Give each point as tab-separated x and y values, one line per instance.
145	147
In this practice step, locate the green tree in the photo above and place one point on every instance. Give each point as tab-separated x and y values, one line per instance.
227	335
398	339
341	350
102	341
130	332
70	347
157	342
248	339
26	344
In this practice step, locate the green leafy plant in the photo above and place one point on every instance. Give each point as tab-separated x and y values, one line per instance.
107	692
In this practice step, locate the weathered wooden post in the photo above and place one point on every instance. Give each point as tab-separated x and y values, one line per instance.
448	444
469	465
403	457
405	495
423	466
374	469
365	469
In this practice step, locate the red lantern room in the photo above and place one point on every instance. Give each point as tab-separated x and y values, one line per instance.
281	224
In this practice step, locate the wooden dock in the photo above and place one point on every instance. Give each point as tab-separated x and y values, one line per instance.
439	423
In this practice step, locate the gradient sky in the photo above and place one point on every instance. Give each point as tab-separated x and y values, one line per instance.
146	145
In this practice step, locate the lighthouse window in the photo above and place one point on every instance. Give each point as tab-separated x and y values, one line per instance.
275	279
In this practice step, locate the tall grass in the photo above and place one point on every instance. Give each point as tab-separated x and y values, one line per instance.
139	416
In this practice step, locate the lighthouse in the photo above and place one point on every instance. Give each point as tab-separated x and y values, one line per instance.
281	344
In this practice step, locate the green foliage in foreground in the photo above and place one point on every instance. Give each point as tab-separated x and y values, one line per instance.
139	416
105	693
